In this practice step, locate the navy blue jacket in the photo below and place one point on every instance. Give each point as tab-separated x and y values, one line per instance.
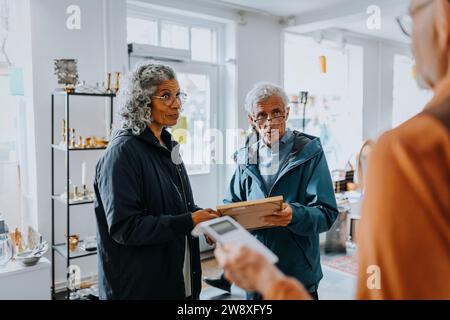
143	208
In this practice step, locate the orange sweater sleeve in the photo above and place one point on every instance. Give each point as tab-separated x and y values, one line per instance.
404	234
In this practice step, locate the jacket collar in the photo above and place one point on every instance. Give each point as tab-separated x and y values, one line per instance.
148	136
305	147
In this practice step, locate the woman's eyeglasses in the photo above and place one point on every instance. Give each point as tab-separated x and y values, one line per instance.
168	99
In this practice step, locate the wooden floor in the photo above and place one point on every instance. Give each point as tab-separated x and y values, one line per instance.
210	269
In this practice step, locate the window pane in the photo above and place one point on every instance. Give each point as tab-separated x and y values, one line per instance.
10	195
409	99
203	44
142	31
8	127
174	35
335	97
196	114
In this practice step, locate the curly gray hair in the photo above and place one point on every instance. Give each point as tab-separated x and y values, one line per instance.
262	91
135	96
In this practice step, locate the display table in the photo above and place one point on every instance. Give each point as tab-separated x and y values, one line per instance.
18	282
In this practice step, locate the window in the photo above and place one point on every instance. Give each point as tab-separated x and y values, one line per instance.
199	79
203	44
143	31
335	97
173	33
409	99
8	123
197	117
9	167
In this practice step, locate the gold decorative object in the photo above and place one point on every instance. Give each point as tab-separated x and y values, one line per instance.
34	238
108	83
12	235
72	138
87	143
18	240
69	88
63	131
80	142
67	73
323	64
100	143
73	242
116	82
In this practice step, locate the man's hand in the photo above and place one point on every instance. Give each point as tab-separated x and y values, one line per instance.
203	215
280	218
246	267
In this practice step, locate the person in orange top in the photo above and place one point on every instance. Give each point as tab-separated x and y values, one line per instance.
404	236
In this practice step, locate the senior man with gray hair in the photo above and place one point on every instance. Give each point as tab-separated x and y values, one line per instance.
278	161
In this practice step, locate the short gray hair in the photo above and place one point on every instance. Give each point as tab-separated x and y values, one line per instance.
261	91
135	96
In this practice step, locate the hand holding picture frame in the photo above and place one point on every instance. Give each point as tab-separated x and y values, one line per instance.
249	213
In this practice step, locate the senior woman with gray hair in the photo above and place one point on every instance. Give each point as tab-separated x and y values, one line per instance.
281	162
144	205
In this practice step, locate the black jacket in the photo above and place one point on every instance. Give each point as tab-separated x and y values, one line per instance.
143	208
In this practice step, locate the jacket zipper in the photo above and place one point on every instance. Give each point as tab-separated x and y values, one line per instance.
292	168
178	168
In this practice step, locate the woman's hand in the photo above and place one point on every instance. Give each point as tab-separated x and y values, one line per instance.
203	215
280	218
246	267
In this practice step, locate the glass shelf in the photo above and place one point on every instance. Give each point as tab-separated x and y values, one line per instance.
63	93
78	253
72	202
63	148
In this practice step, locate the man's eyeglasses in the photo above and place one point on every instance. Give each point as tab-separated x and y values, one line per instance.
405	21
168	99
275	118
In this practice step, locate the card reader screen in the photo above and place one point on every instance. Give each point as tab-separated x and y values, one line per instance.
223	227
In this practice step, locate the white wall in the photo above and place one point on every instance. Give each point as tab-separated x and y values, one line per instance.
379	85
97	54
378	79
18	48
259	56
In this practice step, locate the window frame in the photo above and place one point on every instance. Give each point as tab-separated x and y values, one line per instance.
217	28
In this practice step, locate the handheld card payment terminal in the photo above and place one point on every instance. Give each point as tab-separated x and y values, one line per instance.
226	229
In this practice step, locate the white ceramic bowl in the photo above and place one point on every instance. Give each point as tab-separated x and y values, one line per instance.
27	260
